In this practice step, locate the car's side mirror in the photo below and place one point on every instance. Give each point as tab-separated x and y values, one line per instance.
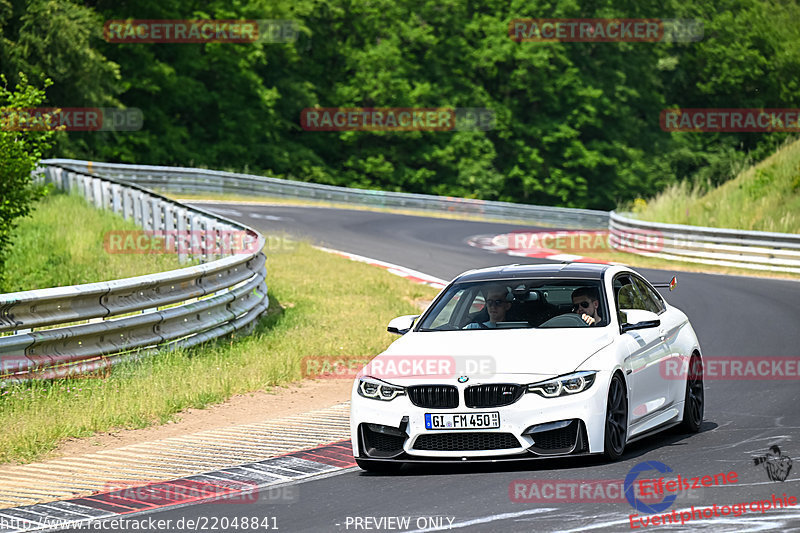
638	319
402	324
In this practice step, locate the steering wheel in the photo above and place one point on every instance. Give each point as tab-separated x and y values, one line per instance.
568	319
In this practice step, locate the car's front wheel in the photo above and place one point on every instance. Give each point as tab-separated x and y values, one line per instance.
616	419
694	400
378	467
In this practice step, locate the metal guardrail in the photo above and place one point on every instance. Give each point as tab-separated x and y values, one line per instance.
129	318
191	180
757	250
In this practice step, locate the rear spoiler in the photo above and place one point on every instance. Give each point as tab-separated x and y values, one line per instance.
671	285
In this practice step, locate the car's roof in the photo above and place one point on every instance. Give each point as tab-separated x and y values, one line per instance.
551	270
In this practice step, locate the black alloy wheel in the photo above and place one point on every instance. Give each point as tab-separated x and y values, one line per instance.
616	419
694	402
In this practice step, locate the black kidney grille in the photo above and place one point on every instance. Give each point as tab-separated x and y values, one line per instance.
495	395
434	396
455	442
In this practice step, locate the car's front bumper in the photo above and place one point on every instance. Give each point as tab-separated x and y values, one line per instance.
395	430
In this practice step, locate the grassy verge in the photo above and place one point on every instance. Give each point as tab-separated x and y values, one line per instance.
765	197
329	306
61	243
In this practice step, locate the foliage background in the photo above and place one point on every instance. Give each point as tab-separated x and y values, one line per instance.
577	123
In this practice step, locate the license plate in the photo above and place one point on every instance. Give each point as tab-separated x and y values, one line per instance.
462	421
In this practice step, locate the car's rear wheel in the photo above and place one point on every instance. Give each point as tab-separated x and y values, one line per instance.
694	401
378	467
616	419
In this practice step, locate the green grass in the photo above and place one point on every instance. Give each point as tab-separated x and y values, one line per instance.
329	306
765	197
61	243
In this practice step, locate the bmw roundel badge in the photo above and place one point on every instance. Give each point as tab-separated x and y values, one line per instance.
463	379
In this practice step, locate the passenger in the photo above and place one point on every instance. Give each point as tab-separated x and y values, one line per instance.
497	304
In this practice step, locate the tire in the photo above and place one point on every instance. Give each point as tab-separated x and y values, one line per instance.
378	467
694	400
616	430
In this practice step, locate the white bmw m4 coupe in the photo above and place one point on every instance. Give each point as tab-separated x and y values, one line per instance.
529	361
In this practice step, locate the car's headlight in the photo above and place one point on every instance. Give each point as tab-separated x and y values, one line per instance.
378	390
563	385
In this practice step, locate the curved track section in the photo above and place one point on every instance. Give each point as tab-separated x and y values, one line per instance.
733	316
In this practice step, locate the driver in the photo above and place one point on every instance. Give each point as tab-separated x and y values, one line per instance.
497	304
587	304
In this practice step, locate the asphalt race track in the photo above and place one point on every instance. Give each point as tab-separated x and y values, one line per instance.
733	316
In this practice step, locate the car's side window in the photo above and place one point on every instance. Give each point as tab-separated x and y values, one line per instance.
627	295
477	308
651	299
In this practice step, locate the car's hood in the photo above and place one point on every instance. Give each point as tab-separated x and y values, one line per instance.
540	353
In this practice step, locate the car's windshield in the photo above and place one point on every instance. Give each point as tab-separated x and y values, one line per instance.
518	303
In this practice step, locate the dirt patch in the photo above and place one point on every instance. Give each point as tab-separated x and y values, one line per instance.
295	398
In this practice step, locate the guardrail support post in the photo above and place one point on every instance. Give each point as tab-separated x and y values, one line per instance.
116	198
137	208
182	235
127	204
147	215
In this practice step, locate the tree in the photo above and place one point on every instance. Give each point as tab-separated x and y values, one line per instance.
20	150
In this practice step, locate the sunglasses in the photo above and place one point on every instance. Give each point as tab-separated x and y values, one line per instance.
495	302
583	304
